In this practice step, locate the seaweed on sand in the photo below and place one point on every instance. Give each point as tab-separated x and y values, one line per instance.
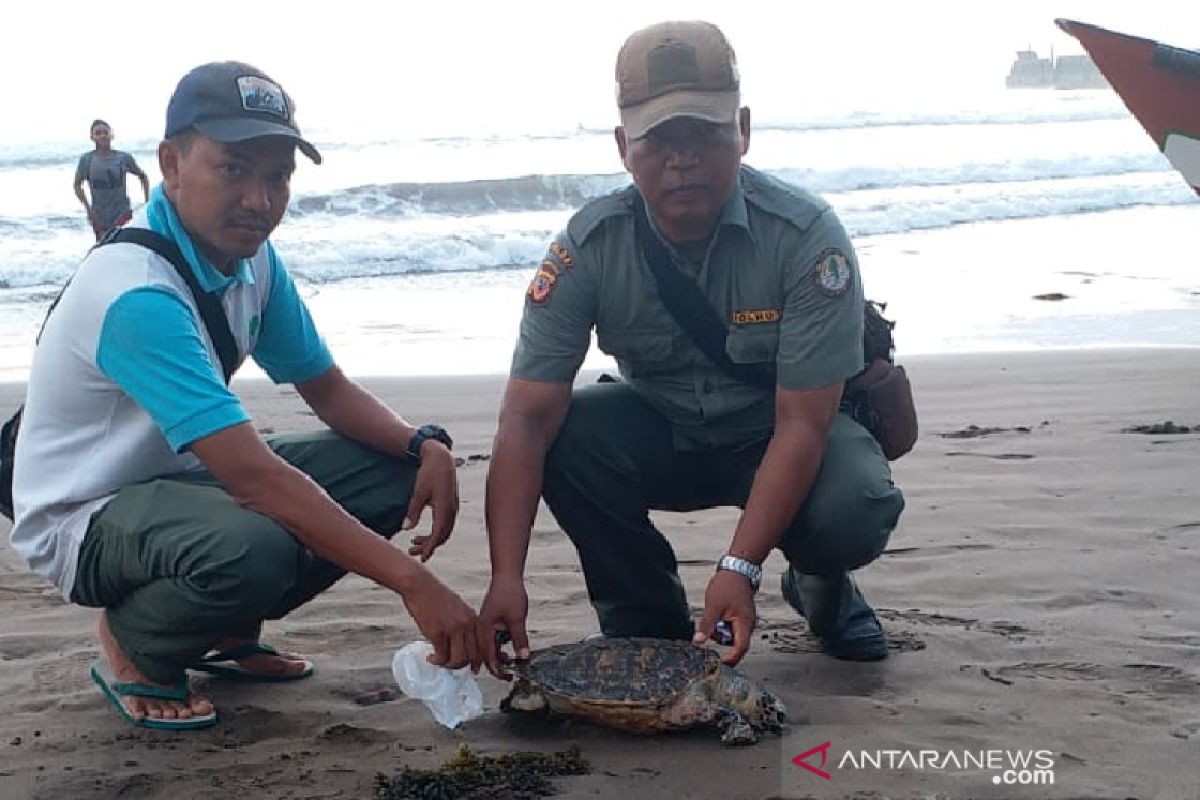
470	776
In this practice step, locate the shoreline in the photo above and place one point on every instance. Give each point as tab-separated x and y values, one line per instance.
249	375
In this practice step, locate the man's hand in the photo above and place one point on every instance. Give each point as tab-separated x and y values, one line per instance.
436	486
446	622
729	596
504	609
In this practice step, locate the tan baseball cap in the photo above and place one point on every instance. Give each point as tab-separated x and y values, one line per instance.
676	69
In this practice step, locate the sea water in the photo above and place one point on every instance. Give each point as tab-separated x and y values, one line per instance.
967	212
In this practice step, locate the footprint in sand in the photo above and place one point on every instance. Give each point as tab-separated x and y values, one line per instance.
976	431
997	456
1187	730
1161	428
352	734
1184	639
1152	679
1011	630
935	550
795	638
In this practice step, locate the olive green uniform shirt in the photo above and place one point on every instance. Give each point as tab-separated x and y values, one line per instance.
779	270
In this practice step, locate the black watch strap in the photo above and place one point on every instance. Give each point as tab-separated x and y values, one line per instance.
435	432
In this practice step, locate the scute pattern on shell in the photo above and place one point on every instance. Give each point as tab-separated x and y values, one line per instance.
633	671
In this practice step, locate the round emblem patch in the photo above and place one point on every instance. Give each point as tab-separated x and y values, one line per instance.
832	272
540	287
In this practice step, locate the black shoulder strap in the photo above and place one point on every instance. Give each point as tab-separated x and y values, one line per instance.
690	308
210	307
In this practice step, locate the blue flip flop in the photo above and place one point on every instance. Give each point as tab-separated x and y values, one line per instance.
114	690
223	664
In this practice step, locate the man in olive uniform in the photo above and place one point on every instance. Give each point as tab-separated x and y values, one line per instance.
679	432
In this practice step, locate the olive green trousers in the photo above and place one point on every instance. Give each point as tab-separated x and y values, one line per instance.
614	460
179	565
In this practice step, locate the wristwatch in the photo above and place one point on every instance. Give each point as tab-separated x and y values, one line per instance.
435	432
747	569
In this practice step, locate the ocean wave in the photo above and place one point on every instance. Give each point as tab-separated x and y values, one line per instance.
404	250
526	193
554	192
406	229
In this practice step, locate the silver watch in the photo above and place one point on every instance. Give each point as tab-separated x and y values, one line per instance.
747	569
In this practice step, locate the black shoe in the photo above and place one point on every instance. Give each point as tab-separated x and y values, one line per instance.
837	614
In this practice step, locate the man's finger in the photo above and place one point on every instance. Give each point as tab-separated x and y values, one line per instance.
423	547
458	651
486	637
520	640
416	505
708	621
474	655
441	652
741	641
440	531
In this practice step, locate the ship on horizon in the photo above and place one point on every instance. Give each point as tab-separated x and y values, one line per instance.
1031	71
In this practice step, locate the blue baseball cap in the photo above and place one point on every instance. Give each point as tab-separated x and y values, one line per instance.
229	101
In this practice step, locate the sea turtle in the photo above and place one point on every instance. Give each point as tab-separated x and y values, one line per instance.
644	686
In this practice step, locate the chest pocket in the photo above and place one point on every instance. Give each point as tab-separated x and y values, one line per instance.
753	344
639	351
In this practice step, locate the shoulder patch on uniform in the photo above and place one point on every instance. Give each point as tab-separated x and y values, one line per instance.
543	282
832	272
561	255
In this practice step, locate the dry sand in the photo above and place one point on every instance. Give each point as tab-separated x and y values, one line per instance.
1042	593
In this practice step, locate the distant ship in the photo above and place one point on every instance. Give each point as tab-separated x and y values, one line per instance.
1159	84
1030	71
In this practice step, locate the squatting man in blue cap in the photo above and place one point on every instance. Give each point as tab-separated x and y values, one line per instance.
681	431
141	486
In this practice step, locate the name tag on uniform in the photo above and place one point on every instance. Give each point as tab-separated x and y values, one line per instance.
754	316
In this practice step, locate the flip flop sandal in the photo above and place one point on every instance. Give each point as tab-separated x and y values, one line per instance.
223	663
114	690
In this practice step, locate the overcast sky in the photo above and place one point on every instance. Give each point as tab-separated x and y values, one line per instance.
476	67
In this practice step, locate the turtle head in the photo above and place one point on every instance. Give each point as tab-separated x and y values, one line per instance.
524	697
756	705
772	712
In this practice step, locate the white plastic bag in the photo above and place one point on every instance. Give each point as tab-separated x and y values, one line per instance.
451	694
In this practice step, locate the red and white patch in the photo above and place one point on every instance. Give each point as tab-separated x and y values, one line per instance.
542	284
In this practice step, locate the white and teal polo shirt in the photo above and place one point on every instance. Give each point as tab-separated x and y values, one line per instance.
125	378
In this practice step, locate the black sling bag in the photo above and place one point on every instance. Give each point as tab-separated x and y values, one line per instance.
211	312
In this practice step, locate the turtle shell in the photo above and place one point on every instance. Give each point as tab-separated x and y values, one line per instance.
632	672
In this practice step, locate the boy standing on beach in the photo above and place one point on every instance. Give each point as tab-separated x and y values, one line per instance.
683	431
141	486
104	170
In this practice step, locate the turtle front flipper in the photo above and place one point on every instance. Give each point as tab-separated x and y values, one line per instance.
735	729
